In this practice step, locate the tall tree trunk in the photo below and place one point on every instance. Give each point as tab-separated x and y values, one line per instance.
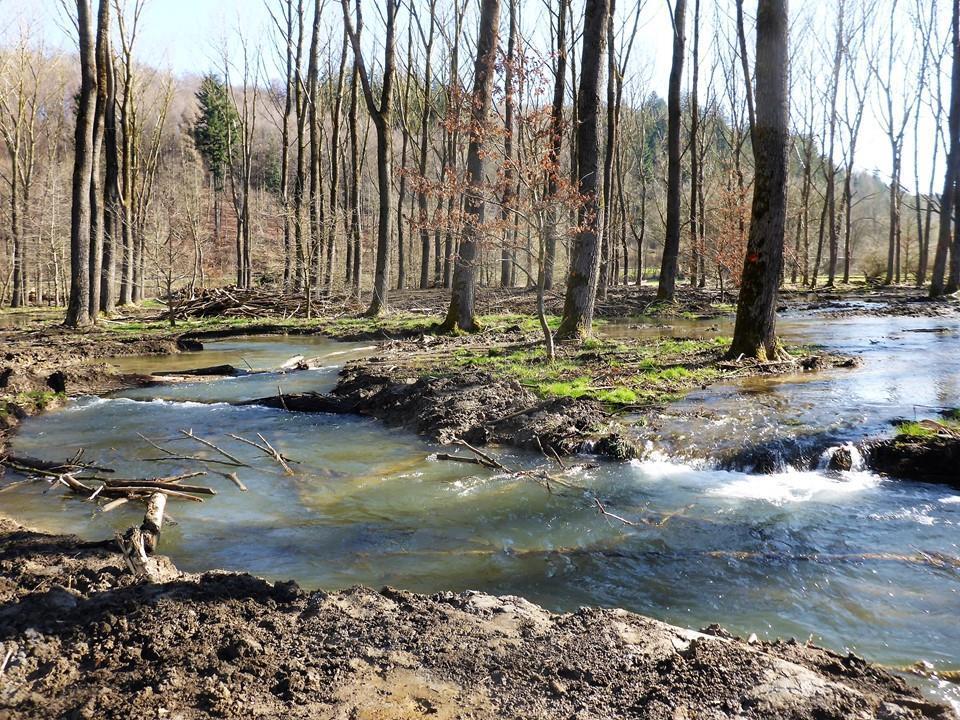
113	235
840	44
316	150
335	166
462	308
506	251
755	332
285	152
938	283
694	147
578	302
102	59
606	239
382	115
300	173
78	312
671	244
426	114
354	241
556	146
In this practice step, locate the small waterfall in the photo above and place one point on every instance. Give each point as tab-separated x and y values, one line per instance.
841	457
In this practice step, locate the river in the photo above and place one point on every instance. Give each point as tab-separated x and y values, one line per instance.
851	560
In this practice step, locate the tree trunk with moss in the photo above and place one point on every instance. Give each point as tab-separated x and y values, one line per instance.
585	254
755	332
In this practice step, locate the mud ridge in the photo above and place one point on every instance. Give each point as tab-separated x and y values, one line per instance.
83	639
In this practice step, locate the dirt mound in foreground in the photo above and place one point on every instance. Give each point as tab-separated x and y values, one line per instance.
83	639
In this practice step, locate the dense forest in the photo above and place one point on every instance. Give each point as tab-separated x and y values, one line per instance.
350	171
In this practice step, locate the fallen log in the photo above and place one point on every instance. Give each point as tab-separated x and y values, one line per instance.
303	402
153	521
215	370
459	459
25	463
159	485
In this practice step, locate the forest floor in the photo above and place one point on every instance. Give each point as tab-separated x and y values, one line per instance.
80	637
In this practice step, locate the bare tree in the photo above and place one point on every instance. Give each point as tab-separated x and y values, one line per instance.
895	107
585	255
939	284
20	106
671	245
382	115
462	309
78	312
755	330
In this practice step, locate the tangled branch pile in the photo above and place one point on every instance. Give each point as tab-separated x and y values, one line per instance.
252	303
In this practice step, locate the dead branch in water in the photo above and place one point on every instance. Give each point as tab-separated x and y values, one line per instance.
268	450
232	477
460	459
173	455
207	443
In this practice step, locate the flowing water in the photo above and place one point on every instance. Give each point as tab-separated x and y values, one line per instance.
852	560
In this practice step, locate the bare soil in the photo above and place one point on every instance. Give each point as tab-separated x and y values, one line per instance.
81	638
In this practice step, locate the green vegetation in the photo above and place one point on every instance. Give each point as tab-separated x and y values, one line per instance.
918	430
33	402
622	374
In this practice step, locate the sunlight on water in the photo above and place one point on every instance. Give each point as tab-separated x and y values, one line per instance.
853	560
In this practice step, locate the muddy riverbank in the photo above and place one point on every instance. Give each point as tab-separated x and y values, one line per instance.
79	637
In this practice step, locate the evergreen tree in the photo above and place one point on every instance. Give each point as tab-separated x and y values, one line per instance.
216	126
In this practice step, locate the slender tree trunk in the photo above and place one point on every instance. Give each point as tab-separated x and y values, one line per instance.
939	284
840	44
316	150
462	308
556	146
382	115
671	245
335	122
506	251
103	60
606	239
755	331
354	241
585	256
426	114
694	146
300	173
78	312
285	152
113	236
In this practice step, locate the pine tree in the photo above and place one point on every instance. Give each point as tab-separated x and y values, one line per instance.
216	126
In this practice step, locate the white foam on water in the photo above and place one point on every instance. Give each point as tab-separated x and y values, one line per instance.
951	500
83	404
856	457
795	486
777	488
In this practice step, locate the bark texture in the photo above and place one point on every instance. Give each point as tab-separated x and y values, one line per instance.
755	331
585	255
462	308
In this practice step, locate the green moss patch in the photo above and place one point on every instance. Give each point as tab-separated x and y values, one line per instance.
617	373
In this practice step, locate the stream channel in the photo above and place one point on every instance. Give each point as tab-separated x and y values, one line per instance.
838	557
